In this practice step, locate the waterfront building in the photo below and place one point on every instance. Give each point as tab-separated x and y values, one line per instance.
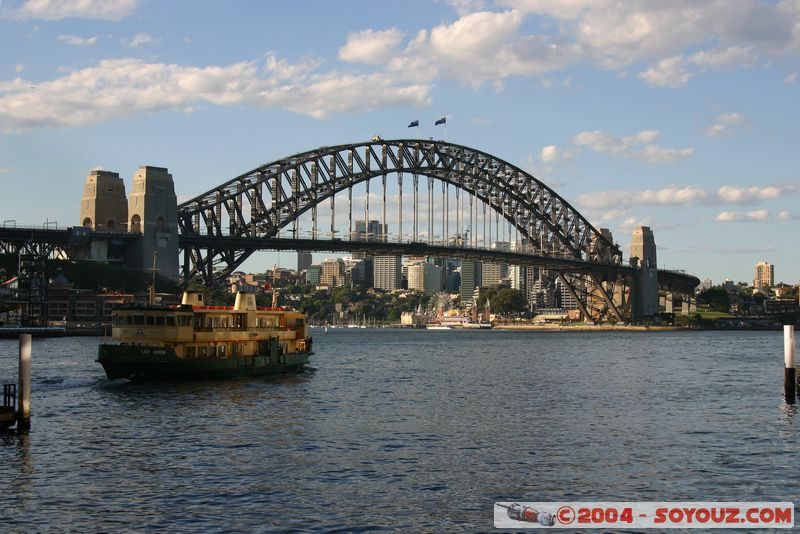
104	206
387	272
764	275
153	212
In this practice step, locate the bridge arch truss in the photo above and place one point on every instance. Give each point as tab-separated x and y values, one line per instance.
259	205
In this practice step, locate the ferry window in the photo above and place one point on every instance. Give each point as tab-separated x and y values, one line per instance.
212	351
190	352
299	322
203	351
170	320
160	320
138	319
150	320
185	320
198	321
129	319
234	350
221	351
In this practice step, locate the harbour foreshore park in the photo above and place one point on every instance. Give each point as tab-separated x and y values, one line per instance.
131	247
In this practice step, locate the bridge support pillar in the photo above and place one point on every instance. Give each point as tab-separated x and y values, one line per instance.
668	303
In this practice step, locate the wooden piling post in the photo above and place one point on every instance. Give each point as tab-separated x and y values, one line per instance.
24	405
789	380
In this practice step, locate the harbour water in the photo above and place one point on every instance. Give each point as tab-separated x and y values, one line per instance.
413	431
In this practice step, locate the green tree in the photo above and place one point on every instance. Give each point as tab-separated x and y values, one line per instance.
716	298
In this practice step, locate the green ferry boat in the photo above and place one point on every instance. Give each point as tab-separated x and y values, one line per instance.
197	341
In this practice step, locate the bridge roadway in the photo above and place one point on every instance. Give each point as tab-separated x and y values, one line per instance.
66	242
668	280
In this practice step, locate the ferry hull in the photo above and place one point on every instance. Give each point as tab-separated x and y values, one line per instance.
161	363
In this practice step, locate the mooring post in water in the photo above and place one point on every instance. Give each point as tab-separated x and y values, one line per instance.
24	405
789	380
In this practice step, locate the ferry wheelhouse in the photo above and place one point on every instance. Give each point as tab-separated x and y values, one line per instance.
197	341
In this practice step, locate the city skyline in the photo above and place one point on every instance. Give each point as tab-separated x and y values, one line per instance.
633	122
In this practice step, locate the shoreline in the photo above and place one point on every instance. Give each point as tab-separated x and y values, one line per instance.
591	328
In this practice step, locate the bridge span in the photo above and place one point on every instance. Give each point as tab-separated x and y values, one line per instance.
476	206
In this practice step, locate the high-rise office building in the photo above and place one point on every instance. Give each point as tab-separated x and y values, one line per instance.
374	231
494	272
303	261
470	279
314	274
387	272
332	272
764	275
425	276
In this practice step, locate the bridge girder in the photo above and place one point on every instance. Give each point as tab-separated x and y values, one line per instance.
278	193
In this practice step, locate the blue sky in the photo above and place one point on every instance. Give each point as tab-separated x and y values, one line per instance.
679	115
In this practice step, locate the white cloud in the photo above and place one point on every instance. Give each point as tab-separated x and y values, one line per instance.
632	222
657	154
76	40
738	216
19	68
465	7
630	146
668	72
482	47
671	195
623	31
124	87
685	196
676	71
139	39
371	47
748	195
6	170
551	153
718	58
790	78
85	9
785	216
679	40
725	125
731	118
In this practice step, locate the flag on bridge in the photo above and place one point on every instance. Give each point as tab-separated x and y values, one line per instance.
443	120
414	124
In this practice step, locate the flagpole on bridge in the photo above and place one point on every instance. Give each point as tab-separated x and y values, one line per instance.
443	120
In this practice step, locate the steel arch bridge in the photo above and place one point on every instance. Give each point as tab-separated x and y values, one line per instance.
222	227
